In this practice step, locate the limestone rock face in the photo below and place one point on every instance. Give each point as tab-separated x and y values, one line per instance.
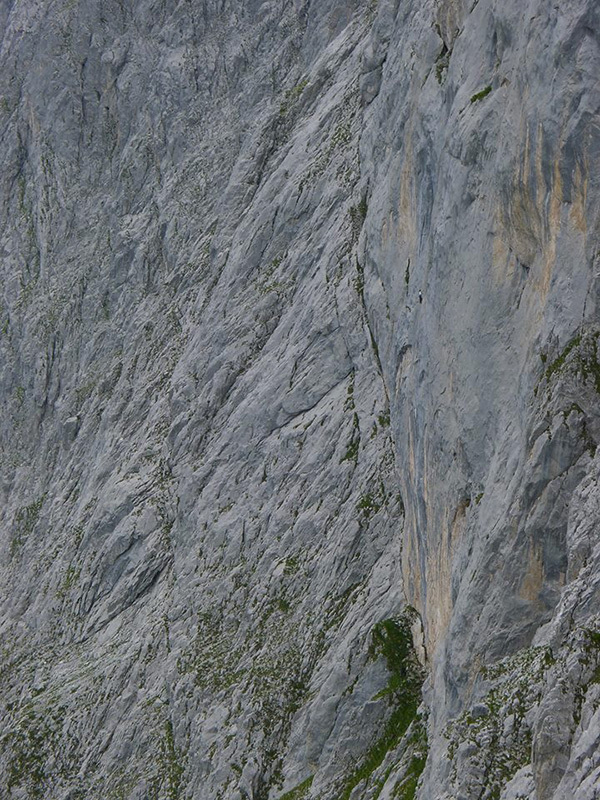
299	400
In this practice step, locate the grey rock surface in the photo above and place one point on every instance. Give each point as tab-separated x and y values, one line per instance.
299	391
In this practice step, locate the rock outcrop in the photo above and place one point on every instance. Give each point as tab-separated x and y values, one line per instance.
299	390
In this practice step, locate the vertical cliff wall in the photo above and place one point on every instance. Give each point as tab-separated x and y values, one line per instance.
299	389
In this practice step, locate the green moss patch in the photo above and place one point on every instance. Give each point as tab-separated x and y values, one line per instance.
480	95
391	639
299	792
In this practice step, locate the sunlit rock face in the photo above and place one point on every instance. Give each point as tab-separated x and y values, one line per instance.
300	399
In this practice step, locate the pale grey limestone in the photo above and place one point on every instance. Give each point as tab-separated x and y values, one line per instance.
233	439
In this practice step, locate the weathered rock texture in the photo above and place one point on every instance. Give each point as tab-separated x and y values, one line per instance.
255	493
